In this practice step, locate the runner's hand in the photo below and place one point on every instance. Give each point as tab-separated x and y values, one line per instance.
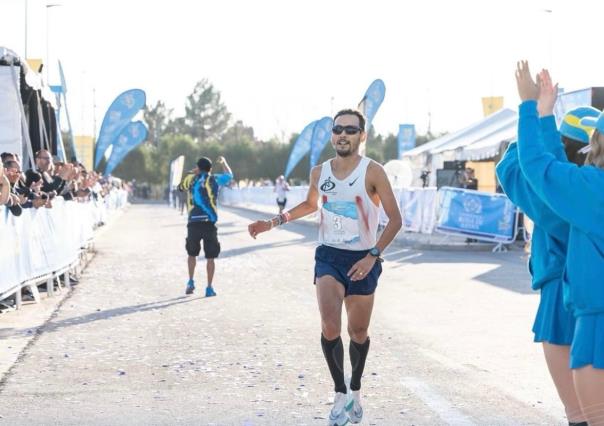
257	227
361	268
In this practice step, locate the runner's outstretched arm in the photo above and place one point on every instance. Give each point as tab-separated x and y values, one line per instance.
305	208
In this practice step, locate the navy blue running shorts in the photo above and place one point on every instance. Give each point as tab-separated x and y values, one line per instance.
337	263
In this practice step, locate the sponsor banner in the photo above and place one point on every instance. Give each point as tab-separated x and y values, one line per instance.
482	215
320	136
406	138
301	148
119	114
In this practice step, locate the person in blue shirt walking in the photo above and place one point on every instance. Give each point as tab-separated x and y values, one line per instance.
202	187
576	195
553	325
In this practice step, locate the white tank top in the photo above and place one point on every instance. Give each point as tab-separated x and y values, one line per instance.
349	218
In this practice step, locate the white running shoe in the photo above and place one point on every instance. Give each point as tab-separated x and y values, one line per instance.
354	407
338	415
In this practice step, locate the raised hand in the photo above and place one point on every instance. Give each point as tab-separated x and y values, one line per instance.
527	88
548	93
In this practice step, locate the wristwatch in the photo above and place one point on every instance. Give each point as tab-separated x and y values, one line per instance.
375	252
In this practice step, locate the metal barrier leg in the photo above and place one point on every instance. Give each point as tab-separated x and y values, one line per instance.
66	279
18	299
499	248
50	287
34	292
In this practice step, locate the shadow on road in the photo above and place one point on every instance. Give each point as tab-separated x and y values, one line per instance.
52	326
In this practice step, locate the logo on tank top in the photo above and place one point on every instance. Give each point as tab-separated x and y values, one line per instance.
352	183
327	185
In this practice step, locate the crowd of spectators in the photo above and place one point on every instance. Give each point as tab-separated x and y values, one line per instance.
43	185
50	178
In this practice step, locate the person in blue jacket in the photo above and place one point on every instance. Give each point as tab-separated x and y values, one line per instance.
576	194
553	325
202	187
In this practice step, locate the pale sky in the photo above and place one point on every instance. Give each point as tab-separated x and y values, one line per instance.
282	64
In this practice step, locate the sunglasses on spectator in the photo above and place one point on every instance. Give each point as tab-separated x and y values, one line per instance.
349	130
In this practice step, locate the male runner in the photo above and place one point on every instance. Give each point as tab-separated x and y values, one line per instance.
348	264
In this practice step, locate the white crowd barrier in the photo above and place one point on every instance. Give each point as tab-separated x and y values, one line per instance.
418	208
418	205
263	195
480	215
42	242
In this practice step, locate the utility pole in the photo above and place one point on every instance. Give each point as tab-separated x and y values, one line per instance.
25	29
47	64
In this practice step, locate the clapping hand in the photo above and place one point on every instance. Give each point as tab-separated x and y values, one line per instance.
548	93
66	171
527	88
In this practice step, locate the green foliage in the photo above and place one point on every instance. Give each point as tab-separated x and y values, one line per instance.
206	117
134	166
205	131
157	119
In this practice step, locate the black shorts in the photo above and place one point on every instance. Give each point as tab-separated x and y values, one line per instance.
281	203
206	231
337	262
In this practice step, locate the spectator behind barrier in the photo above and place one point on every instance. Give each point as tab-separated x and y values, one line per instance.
12	169
52	184
4	187
31	189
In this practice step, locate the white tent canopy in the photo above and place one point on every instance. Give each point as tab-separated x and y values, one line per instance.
463	136
488	147
11	139
481	140
505	119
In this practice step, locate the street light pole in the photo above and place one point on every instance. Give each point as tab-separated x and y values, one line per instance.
549	18
47	65
25	29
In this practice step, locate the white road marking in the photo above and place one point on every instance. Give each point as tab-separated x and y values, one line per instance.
391	253
443	408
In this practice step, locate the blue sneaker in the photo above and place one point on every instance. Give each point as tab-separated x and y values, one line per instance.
190	287
210	292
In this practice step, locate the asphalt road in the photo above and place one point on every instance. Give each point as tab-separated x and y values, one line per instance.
451	340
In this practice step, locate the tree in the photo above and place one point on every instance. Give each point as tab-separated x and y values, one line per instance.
206	117
158	119
238	133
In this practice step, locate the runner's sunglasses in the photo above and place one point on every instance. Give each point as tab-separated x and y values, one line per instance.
349	130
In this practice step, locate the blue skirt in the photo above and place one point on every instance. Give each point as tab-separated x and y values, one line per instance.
588	344
553	323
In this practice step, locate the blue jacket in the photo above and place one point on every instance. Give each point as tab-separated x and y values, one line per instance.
576	194
550	234
203	195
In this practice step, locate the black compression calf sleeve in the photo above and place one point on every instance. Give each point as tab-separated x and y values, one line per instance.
334	355
358	355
